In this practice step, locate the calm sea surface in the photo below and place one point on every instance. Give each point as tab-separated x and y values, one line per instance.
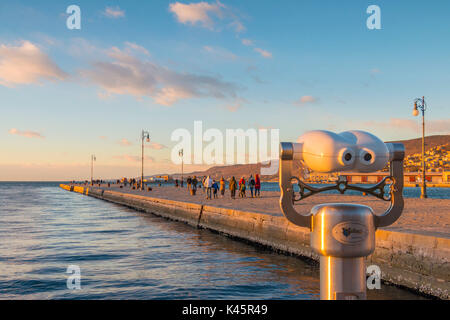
125	254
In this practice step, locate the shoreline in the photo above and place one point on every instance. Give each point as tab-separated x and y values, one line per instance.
411	259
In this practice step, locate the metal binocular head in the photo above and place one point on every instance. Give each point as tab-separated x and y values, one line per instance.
356	151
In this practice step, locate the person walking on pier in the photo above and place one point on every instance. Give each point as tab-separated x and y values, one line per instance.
194	185
257	186
215	188
242	187
222	187
208	186
251	184
188	182
233	187
204	184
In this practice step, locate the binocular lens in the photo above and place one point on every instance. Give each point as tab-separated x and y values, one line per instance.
367	157
348	157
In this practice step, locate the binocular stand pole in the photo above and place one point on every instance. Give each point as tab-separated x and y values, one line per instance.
342	234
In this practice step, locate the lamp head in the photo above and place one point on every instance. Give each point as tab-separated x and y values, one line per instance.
415	111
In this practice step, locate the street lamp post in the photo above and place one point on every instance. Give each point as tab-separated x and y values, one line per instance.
145	135
419	103
181	153
92	168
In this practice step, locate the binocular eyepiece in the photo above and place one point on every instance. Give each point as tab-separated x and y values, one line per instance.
357	151
325	151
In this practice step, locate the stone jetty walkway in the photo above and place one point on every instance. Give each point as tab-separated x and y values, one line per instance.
422	216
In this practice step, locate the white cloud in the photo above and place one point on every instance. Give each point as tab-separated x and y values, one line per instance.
220	53
264	53
125	142
432	126
237	26
114	12
247	42
129	75
375	71
204	14
234	107
26	64
170	95
137	48
155	146
28	134
134	159
306	100
194	13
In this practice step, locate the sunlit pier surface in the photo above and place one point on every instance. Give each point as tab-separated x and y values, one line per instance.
424	216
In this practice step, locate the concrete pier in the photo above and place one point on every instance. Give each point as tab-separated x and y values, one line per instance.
416	255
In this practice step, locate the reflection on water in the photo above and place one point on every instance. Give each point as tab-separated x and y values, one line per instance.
124	254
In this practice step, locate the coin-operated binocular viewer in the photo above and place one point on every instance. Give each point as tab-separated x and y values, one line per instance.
342	233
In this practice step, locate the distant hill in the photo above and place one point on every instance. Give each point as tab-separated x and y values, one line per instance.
237	171
415	145
411	146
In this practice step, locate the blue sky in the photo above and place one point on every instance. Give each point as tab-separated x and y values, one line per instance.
292	65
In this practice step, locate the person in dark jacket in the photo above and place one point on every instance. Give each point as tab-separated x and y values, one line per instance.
251	184
215	188
188	182
194	183
233	186
242	188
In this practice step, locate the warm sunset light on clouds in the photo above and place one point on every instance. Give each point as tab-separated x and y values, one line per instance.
305	100
433	126
137	159
114	12
28	134
264	53
25	63
125	143
197	12
159	66
127	74
155	145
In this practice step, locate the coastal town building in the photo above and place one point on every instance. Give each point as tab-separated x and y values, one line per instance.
437	159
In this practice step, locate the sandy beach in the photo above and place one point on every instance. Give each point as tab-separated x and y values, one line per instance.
423	216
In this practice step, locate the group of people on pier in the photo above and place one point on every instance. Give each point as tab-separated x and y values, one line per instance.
212	188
